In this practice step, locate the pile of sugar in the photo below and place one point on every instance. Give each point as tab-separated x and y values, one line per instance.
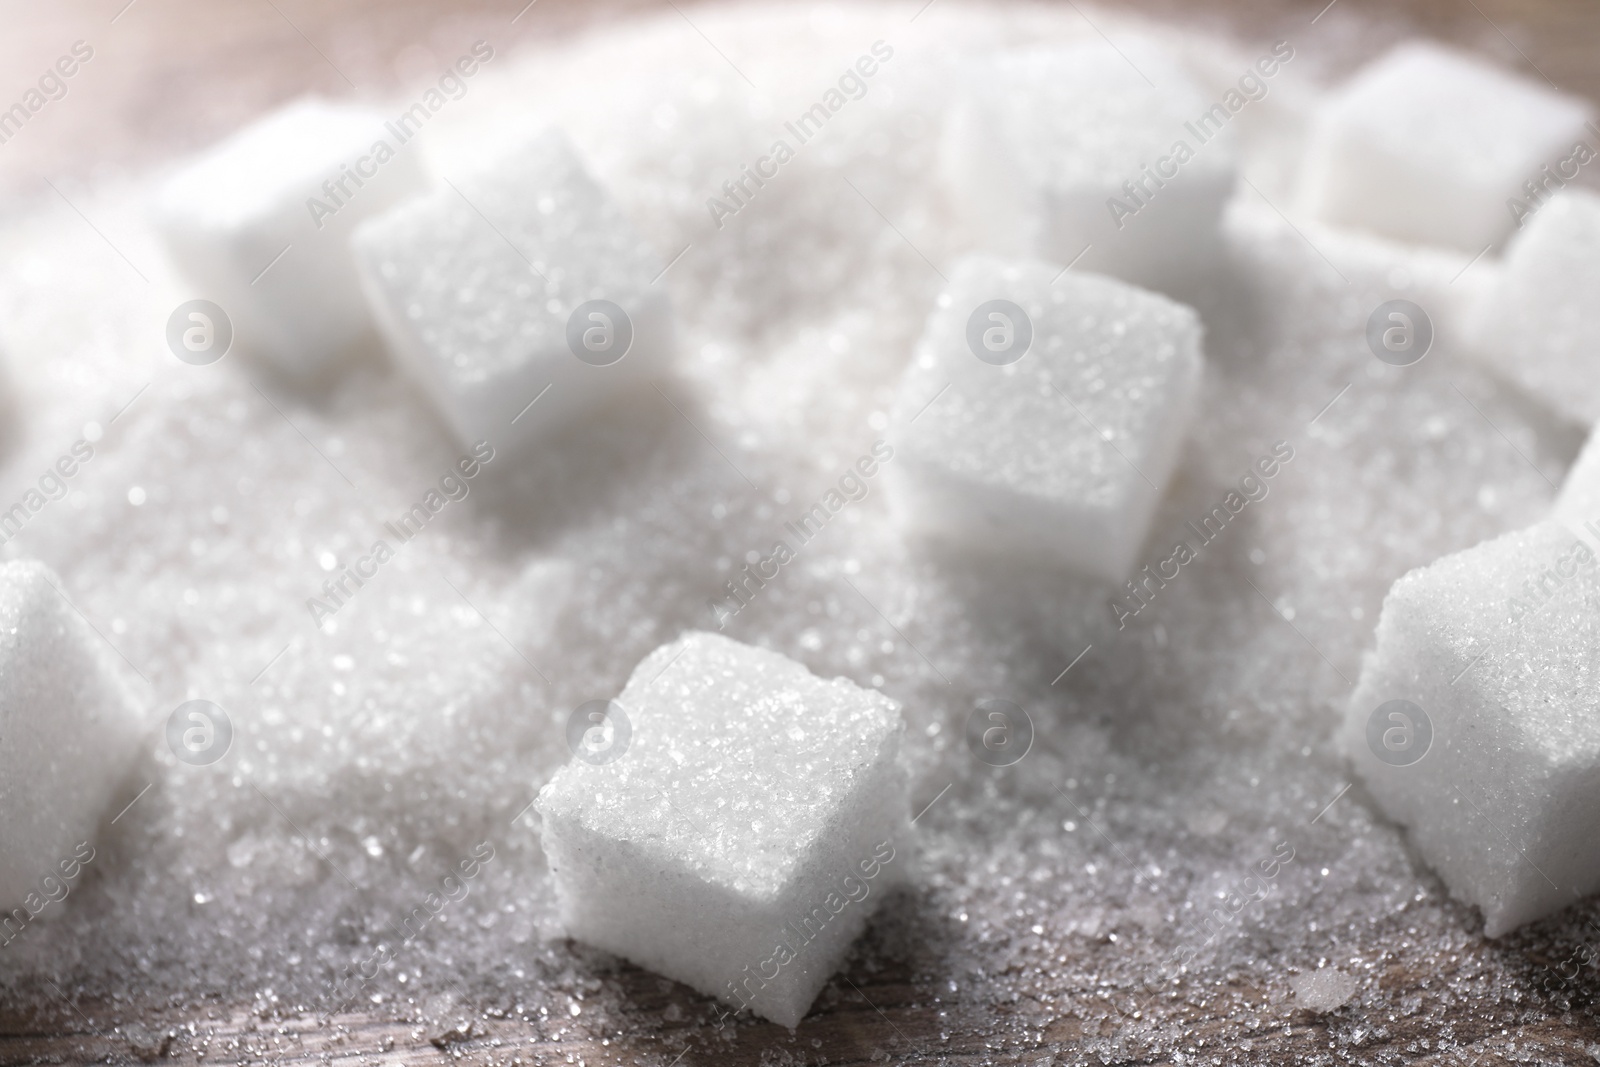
1066	905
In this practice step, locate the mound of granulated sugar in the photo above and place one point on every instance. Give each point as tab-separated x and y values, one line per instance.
1176	844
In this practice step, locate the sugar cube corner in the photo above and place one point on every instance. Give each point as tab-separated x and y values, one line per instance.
522	279
1081	154
1472	723
1539	321
1042	415
69	730
259	225
1429	145
730	821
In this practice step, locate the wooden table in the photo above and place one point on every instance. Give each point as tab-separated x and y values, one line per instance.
172	74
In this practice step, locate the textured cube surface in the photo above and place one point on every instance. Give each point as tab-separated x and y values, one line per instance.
1540	323
1060	456
1427	145
68	730
1499	646
1046	139
481	289
283	187
740	843
1578	503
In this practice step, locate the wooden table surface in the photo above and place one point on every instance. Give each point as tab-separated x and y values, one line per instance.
173	74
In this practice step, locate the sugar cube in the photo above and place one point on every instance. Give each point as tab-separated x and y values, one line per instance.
260	225
1539	324
68	733
1428	145
1473	722
1058	152
754	817
1578	503
1042	416
521	278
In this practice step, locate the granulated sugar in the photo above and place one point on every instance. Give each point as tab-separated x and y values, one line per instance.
1144	885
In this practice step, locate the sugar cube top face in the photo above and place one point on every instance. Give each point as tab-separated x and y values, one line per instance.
753	805
524	275
260	225
68	732
1428	145
1493	761
1058	150
289	153
1539	326
1059	454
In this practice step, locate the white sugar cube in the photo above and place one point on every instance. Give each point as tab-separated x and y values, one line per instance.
1060	149
1474	721
1428	145
1540	323
521	278
1061	455
756	816
260	225
1578	503
68	733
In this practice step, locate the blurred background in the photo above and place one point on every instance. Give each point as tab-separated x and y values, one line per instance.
173	75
